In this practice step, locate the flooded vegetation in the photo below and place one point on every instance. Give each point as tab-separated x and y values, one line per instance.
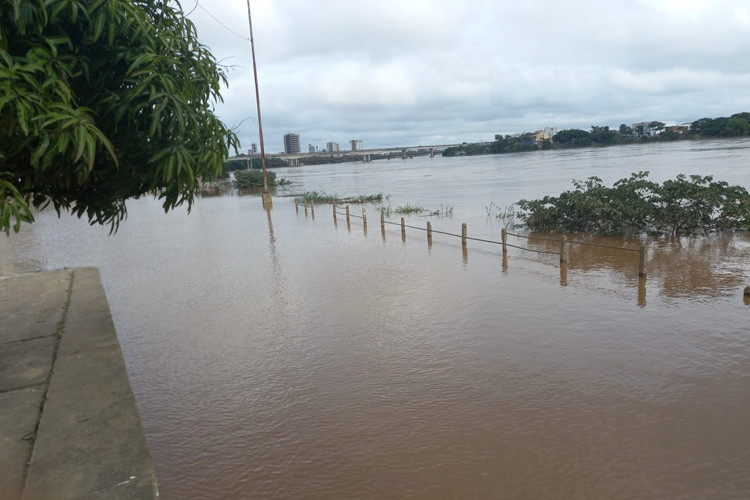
274	354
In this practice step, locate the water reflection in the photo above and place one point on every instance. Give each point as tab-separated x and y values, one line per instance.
688	266
563	274
708	266
278	280
642	291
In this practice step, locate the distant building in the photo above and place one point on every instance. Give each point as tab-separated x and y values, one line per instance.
332	146
312	149
644	129
291	143
678	129
253	149
540	136
356	144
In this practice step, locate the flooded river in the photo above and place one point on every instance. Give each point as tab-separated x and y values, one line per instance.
274	354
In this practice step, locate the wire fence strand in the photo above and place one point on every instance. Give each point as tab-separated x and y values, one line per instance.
527	237
574	242
604	246
530	237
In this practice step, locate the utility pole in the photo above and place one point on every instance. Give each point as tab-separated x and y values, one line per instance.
266	195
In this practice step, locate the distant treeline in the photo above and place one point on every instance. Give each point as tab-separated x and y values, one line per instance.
737	125
234	164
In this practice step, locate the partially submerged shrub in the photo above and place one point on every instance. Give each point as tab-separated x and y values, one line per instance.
635	204
253	178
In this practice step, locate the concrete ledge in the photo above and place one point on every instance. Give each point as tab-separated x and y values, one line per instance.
89	443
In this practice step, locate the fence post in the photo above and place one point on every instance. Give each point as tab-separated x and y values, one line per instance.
403	227
312	208
296	205
429	230
642	262
364	217
504	234
382	221
564	250
305	203
334	212
463	233
347	214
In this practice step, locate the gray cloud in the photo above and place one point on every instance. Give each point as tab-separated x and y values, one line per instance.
398	72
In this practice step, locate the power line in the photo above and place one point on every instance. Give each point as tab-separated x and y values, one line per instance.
191	10
218	21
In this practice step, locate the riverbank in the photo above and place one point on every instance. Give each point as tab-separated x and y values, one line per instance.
525	143
69	425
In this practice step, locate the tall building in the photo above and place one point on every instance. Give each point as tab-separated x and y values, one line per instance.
332	146
356	144
253	149
312	149
291	143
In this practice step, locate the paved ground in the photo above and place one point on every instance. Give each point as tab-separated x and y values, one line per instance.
69	426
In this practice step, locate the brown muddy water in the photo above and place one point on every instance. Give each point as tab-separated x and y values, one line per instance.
277	355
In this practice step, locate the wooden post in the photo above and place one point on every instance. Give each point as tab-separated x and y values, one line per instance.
334	212
642	262
382	221
296	205
305	207
564	250
429	230
312	208
504	234
403	227
463	233
347	214
364	217
747	291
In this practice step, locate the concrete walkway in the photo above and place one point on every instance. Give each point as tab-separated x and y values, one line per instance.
69	426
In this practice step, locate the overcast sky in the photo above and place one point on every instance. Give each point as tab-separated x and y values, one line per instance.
423	72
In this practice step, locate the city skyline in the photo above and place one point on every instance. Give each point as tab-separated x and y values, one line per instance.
387	72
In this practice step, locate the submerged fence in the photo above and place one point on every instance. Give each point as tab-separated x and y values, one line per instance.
563	241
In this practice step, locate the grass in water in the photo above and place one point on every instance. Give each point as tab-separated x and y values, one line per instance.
408	209
401	209
321	197
505	215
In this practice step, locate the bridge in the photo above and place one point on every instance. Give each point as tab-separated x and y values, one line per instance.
366	154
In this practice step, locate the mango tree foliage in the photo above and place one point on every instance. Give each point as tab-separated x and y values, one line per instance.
101	101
